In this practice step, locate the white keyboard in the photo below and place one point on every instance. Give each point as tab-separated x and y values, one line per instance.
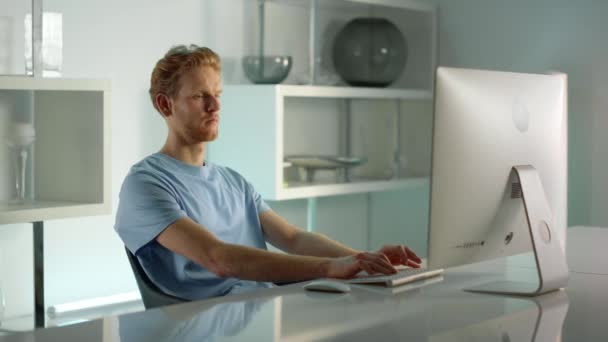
404	276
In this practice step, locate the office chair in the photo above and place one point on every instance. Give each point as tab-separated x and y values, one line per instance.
151	295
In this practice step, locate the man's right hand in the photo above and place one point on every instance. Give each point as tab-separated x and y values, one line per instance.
347	267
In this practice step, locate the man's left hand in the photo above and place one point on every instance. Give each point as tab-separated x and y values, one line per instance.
401	255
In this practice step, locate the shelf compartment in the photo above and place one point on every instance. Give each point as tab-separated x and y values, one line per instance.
308	34
69	167
261	125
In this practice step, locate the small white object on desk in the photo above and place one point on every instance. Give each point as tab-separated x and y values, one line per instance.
326	285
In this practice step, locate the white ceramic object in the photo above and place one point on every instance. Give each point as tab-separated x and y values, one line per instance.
21	134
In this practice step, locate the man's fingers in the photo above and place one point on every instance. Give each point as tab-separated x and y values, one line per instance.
412	255
371	268
383	263
384	258
384	268
407	255
376	263
366	267
402	255
413	264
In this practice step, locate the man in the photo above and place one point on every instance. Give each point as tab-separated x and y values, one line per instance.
200	230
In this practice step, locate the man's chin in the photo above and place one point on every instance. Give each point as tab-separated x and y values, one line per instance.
209	137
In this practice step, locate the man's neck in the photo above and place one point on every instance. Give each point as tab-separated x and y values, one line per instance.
189	154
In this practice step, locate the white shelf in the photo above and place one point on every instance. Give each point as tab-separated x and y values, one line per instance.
353	92
254	134
39	83
69	167
319	190
48	210
415	5
262	124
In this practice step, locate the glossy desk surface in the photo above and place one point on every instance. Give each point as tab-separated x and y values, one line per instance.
438	311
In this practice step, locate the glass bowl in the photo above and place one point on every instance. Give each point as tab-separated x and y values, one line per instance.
267	69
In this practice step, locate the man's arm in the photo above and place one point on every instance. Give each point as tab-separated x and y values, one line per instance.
196	243
292	239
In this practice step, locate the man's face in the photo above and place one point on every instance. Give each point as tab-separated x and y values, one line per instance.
196	107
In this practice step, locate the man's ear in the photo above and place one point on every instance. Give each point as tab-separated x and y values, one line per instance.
164	104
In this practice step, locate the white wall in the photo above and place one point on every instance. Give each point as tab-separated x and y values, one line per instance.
536	36
12	31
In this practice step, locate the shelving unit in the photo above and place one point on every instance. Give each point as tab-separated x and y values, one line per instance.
315	113
69	171
311	115
68	165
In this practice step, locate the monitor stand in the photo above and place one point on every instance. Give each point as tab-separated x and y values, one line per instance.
550	258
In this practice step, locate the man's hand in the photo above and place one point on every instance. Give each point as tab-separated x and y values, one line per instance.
347	267
401	255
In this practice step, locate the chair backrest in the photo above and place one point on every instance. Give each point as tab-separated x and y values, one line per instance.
151	295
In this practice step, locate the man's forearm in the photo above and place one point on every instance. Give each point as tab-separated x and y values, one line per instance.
314	244
255	264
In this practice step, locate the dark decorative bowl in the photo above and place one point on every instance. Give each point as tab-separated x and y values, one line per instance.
267	69
369	52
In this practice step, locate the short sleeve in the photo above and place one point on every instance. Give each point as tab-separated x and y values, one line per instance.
260	205
245	186
146	207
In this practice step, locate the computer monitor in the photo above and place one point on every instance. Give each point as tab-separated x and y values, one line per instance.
499	172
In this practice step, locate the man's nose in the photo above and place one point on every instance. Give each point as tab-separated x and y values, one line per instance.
213	105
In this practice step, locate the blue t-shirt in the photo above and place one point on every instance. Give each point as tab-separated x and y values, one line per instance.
160	190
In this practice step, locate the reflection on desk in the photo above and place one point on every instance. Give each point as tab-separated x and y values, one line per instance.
172	324
438	312
541	322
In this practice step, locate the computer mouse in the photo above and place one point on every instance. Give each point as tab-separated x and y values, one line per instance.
326	285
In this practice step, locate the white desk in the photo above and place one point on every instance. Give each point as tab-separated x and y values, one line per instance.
591	254
437	312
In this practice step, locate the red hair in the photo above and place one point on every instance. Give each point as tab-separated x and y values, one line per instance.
177	61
